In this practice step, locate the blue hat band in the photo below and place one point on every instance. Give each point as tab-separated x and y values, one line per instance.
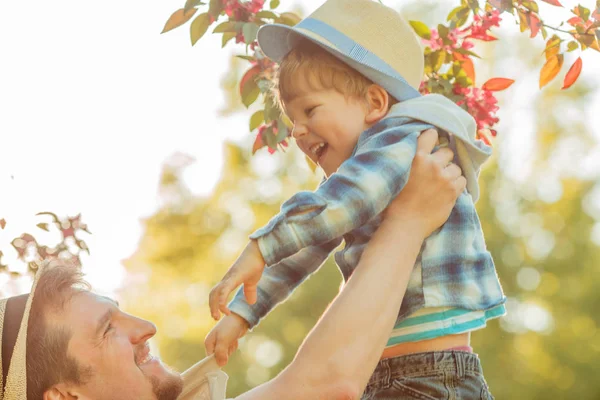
358	53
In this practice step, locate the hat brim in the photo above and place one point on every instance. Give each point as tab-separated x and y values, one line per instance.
16	380
277	40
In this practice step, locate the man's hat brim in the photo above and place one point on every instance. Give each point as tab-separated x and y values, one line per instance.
12	314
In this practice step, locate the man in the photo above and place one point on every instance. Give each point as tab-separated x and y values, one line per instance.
63	342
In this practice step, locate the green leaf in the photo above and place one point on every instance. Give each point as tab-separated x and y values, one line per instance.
443	30
249	31
573	45
282	131
466	52
247	58
269	138
452	14
473	4
531	5
199	27
43	226
274	4
215	8
462	17
178	18
272	112
289	18
438	59
266	14
250	92
189	4
228	26
421	29
584	12
227	36
257	119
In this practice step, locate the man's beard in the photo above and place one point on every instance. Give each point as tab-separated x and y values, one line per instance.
168	389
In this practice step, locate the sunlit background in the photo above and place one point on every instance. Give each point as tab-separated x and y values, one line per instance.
144	136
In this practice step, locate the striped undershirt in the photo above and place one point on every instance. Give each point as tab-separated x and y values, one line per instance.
430	323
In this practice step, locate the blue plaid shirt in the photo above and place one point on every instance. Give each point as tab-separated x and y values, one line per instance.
456	269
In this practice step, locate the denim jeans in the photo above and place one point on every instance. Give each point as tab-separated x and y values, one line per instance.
447	375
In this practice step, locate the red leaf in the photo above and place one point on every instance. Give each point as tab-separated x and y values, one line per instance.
458	56
573	73
553	2
482	134
534	24
469	68
258	143
497	84
2	223
575	21
250	74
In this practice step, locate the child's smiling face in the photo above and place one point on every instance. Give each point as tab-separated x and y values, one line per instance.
327	125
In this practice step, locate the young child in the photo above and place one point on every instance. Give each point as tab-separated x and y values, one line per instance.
348	80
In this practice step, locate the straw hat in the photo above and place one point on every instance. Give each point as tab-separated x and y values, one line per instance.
14	317
368	36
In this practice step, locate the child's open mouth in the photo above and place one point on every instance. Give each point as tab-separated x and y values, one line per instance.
319	150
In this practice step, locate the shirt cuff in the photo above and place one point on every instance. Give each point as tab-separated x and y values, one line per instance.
244	310
276	242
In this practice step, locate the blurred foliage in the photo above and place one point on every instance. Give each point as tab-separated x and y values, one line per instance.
538	228
538	231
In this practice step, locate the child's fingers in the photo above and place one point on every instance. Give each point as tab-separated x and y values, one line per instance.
233	347
214	301
221	355
225	291
250	293
209	343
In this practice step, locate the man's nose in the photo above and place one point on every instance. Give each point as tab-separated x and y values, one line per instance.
140	330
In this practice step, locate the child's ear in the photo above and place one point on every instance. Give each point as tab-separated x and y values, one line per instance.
378	101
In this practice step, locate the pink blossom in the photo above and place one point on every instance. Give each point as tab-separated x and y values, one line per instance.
482	24
481	104
242	10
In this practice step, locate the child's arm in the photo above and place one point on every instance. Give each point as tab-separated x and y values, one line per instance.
272	286
360	190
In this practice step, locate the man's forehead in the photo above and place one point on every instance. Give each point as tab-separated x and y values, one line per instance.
85	307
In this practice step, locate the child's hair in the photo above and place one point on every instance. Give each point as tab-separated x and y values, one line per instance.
321	70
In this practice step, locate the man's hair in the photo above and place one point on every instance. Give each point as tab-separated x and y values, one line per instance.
47	359
320	69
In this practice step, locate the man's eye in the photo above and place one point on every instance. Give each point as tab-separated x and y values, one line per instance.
108	329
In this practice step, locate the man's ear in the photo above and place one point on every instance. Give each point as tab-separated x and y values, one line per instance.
378	102
59	392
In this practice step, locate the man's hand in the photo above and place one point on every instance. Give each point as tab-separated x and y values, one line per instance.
246	270
433	186
223	338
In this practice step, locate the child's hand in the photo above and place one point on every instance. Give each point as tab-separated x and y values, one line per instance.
246	270
223	338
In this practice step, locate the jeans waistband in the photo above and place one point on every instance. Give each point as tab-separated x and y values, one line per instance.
458	363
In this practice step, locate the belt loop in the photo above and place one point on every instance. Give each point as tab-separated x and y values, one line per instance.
388	373
459	359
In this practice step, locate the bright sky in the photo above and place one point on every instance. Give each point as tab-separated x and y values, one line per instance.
92	101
